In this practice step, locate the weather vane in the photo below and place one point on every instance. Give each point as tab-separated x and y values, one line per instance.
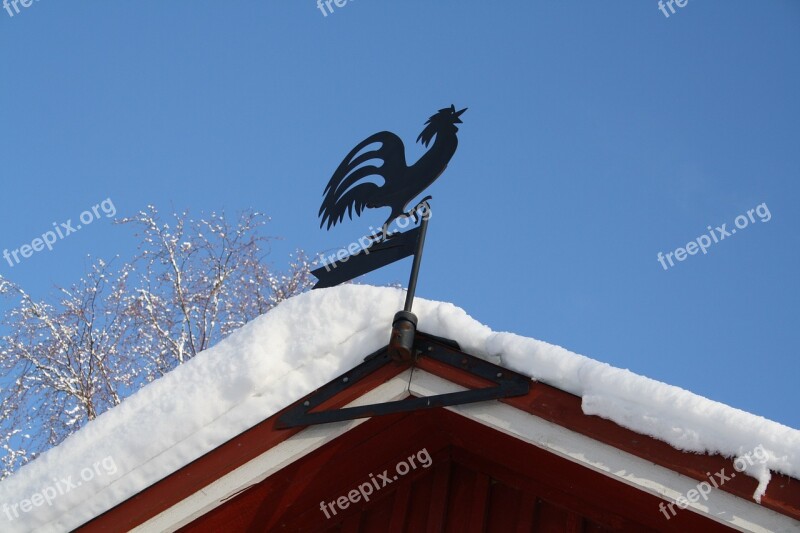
351	189
348	190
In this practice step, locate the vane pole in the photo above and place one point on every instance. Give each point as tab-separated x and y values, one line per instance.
404	325
412	282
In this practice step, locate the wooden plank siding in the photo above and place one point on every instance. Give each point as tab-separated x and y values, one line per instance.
479	481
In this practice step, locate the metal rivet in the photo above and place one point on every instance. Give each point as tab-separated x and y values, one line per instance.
346	379
430	348
499	374
306	403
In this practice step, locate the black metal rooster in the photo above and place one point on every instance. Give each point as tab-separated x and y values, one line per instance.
350	188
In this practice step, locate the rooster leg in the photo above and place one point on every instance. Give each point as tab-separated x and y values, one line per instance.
383	234
385	229
414	213
378	237
386	234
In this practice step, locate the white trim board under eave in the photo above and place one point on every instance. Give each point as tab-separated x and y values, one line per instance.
644	475
629	469
269	462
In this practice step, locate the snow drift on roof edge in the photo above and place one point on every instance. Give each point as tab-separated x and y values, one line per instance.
305	342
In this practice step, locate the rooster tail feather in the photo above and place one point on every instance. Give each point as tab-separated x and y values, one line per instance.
356	199
350	188
349	163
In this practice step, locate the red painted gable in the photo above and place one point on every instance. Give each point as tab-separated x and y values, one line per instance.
479	478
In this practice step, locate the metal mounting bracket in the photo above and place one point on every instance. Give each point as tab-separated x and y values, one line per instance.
506	384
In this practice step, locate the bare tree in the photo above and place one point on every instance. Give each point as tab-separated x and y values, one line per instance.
191	284
60	363
201	279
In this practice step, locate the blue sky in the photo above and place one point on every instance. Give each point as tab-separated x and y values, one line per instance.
598	134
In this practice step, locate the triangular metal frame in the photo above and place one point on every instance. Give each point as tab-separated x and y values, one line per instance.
506	384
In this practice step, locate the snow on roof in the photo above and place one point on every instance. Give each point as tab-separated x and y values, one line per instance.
304	343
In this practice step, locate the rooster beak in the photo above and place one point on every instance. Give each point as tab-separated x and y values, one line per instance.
458	114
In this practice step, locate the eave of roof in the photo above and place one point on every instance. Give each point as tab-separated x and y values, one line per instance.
160	504
304	343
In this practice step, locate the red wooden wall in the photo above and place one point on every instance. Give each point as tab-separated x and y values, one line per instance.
479	481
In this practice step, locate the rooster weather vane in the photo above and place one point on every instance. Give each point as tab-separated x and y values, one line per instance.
351	189
348	190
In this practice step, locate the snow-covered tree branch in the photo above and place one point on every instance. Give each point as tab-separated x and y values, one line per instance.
192	282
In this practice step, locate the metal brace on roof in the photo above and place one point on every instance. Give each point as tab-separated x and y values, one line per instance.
506	385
